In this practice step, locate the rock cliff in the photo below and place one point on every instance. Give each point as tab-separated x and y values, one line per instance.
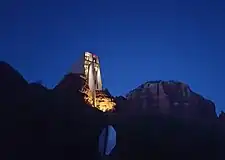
169	98
153	121
41	123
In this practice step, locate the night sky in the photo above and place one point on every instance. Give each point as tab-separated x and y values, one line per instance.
136	40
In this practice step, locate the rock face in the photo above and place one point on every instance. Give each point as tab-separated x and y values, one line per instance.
221	121
167	120
11	84
104	101
41	123
169	98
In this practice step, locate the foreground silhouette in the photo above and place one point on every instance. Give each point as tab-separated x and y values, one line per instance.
40	123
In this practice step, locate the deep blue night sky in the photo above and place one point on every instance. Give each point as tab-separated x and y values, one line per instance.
136	40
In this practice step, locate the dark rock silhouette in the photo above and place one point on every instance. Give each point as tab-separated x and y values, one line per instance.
167	120
41	123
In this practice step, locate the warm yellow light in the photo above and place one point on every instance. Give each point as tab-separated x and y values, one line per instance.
103	102
93	94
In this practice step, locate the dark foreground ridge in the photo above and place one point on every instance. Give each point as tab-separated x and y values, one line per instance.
41	123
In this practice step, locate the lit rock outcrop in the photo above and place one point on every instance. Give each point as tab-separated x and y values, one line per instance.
88	67
103	100
77	83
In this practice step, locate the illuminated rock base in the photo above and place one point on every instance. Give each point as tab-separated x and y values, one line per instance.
102	102
89	69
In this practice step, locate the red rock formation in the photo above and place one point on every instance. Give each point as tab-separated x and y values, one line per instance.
171	98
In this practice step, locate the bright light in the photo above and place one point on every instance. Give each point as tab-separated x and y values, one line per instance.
93	87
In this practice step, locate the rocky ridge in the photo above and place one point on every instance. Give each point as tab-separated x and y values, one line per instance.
169	98
42	123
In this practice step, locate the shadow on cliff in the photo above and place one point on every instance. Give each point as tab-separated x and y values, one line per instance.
158	136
